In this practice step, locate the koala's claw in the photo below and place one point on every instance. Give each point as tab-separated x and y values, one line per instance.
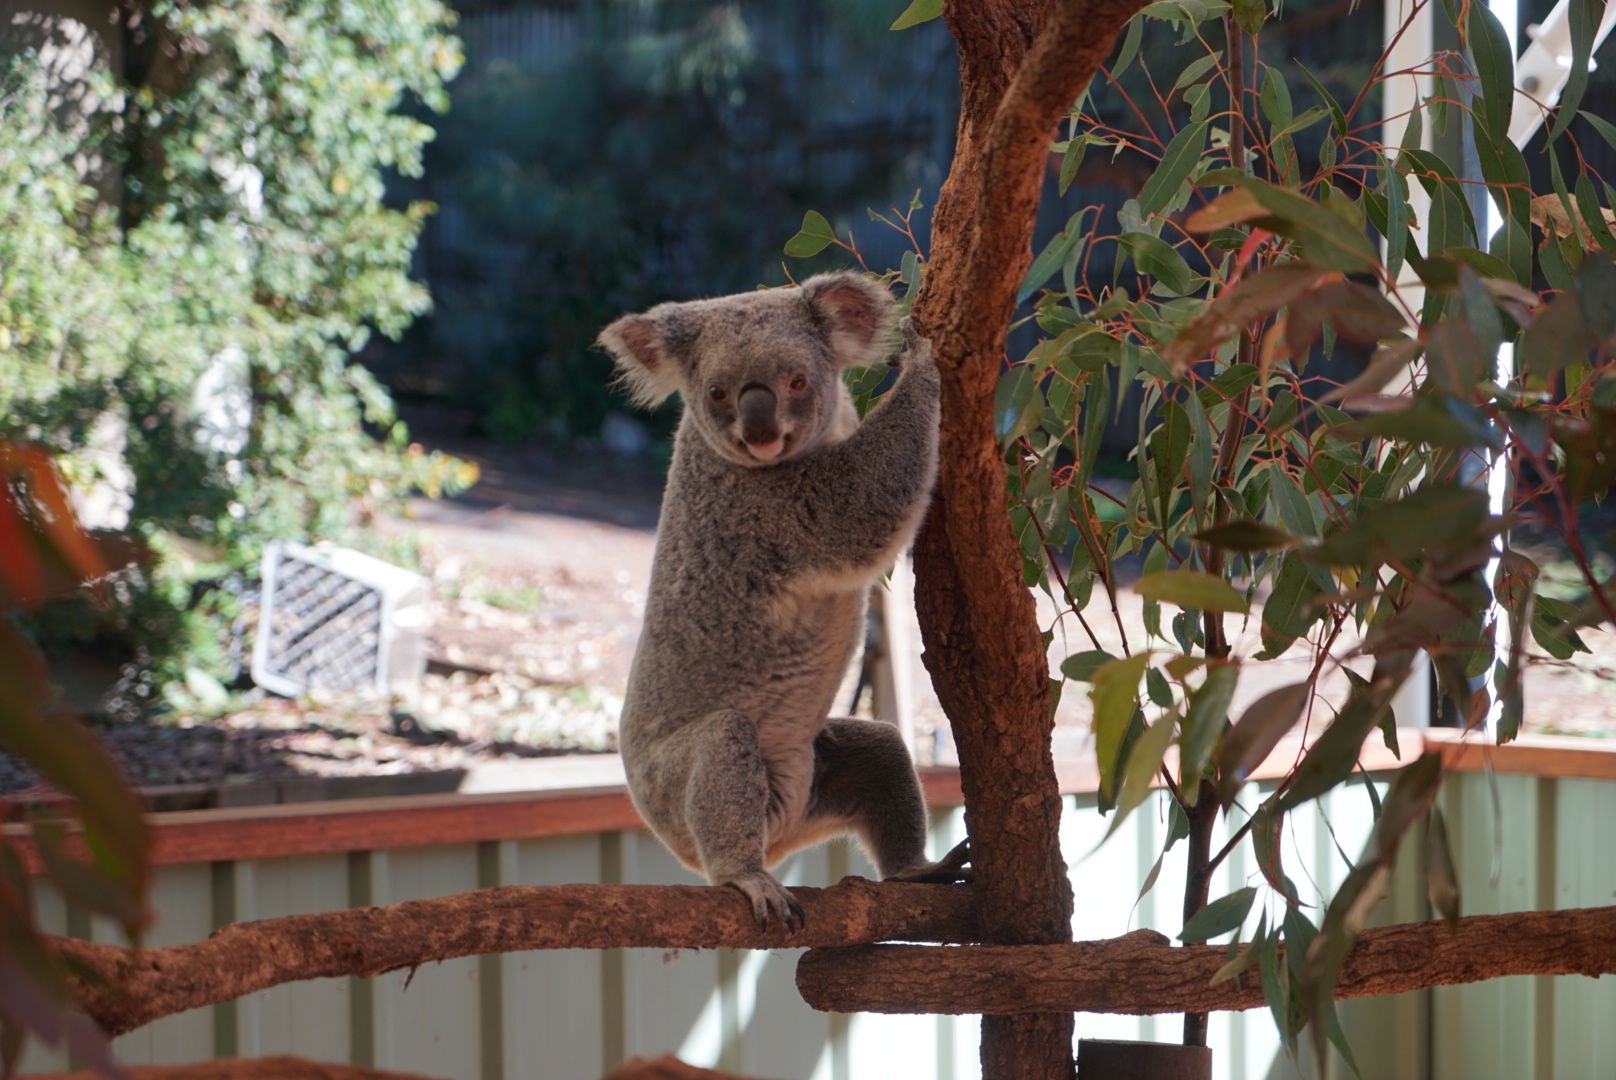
769	897
953	868
915	347
911	334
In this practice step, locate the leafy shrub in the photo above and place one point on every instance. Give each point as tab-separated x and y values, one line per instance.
191	349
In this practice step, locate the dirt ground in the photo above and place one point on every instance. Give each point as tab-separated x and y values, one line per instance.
580	546
540	575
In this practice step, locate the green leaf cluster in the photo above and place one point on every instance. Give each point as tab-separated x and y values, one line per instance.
1349	529
188	351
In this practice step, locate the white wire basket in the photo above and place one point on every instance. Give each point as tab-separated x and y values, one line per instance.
334	619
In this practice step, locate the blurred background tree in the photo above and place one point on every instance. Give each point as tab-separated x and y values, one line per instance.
196	243
603	157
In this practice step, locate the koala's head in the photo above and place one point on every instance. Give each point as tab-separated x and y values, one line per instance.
760	373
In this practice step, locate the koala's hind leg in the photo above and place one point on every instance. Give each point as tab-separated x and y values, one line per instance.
863	776
727	812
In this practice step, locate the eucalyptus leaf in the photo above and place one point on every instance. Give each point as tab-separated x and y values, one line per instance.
1252	298
1130	46
1329	240
1208	715
1154	257
1219	916
1260	728
1115	696
1583	21
1434	516
1332	757
815	236
1489	46
1413	790
1441	879
1191	589
1144	763
1291	607
1249	14
1174	169
1082	666
1245	534
917	12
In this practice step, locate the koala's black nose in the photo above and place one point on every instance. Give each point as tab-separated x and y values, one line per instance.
756	405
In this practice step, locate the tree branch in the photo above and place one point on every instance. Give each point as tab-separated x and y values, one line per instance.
1085	977
279	1067
245	957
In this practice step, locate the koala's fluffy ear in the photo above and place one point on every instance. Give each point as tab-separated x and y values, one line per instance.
644	369
858	312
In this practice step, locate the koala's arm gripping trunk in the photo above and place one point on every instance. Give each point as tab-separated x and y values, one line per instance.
859	502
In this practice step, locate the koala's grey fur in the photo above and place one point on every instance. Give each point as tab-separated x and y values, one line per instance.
780	511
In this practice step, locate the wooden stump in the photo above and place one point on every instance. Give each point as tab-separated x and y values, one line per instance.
667	1067
1106	1059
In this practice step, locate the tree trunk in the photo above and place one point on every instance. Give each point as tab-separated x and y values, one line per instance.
1018	76
1142	973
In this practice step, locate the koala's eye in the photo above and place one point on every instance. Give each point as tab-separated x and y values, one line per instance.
799	383
717	393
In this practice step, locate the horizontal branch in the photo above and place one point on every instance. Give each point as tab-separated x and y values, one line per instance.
1141	973
246	957
279	1067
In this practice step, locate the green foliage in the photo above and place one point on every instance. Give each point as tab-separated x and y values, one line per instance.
1362	512
43	554
194	346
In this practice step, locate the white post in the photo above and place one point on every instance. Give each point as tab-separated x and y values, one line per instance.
1542	71
892	687
1402	93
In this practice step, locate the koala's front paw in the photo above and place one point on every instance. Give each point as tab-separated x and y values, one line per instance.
951	869
768	897
916	349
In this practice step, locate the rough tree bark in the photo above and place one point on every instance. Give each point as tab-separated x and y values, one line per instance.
280	1067
283	1067
137	988
1160	978
840	972
1021	68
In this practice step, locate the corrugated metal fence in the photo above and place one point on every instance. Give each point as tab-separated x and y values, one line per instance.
573	1014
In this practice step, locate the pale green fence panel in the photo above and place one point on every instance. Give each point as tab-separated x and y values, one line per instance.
52	915
429	1020
575	1014
556	1003
1582	1011
183	899
311	1018
1488	1029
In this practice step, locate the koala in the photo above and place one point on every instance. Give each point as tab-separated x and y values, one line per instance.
781	510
